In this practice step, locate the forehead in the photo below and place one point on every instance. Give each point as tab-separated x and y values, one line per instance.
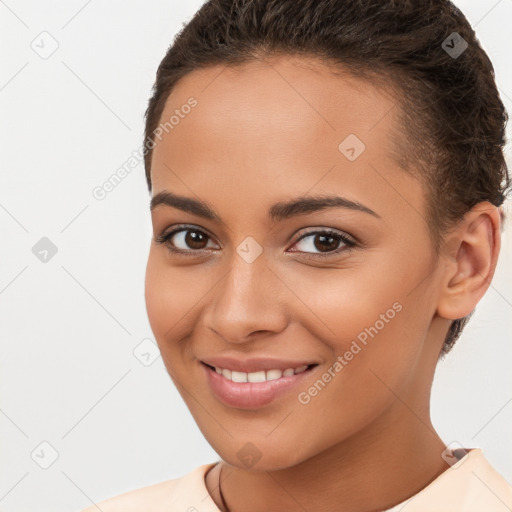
284	122
281	97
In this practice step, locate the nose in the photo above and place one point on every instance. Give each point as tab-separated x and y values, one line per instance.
250	299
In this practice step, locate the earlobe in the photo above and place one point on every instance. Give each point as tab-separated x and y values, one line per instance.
469	256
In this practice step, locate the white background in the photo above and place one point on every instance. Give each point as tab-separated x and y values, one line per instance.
69	326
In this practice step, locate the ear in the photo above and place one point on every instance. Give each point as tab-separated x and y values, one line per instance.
469	256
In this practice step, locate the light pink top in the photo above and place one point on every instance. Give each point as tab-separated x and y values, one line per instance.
469	485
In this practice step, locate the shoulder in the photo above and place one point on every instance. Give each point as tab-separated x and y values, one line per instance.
489	487
166	496
470	485
144	498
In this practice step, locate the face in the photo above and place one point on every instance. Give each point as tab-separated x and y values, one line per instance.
242	278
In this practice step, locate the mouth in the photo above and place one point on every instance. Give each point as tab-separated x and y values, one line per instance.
261	375
252	390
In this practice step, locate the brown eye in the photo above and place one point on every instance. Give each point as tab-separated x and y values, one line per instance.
185	240
195	239
323	243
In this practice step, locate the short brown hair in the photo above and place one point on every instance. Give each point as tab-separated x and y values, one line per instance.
452	118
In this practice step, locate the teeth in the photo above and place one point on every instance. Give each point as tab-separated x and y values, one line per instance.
274	374
239	376
256	377
260	376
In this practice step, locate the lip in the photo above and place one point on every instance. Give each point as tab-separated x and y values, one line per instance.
255	364
251	395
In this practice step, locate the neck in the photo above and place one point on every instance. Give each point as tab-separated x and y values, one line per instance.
375	470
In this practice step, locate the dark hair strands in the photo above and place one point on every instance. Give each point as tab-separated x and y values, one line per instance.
450	117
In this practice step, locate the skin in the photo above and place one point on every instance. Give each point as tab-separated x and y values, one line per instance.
267	132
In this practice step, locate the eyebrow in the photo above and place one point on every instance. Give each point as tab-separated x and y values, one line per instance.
277	212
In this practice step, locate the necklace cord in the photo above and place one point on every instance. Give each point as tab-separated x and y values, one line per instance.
226	509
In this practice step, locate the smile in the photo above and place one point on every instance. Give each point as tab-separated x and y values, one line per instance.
260	376
252	390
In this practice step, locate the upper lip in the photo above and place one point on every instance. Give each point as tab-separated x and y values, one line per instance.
255	364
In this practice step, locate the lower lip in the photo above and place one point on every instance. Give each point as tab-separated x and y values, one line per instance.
251	395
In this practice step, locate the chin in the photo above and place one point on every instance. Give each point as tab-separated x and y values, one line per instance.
260	456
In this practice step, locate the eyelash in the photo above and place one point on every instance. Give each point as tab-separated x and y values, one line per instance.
164	239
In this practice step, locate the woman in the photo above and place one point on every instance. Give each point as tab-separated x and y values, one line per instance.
326	180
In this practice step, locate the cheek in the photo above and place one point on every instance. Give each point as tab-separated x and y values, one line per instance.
173	295
369	319
342	304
